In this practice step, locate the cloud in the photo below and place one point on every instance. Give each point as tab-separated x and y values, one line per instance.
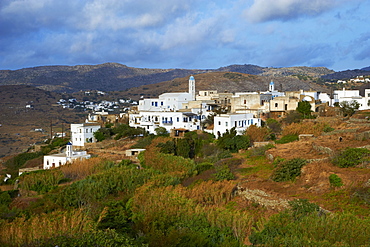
284	10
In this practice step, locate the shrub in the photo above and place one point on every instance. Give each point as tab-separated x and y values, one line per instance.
274	125
288	170
232	142
287	139
257	134
204	166
302	207
223	172
349	108
351	157
335	180
261	150
327	129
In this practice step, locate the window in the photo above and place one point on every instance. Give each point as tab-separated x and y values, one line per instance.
161	102
286	107
219	122
276	104
226	124
245	102
178	119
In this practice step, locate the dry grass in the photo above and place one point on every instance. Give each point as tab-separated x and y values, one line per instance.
23	231
304	128
81	168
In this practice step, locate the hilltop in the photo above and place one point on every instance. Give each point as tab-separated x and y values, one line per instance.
116	77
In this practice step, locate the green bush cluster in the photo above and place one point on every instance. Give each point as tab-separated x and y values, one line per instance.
232	142
313	229
351	157
335	180
288	170
41	181
287	139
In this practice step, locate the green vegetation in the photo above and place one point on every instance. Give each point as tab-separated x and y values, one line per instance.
287	139
232	142
349	108
288	170
312	228
19	160
335	180
234	76
304	108
351	157
182	194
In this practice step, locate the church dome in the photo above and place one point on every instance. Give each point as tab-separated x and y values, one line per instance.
191	78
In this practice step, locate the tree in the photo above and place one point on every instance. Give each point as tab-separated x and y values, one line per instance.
304	107
349	108
161	131
230	141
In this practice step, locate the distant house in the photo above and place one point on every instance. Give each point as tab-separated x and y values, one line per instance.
57	160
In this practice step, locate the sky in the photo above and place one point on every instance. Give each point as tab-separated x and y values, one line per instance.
190	34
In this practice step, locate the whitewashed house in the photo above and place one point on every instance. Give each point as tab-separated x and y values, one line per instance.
83	133
353	95
57	160
169	120
241	122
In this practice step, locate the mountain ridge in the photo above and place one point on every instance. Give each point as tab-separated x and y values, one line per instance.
116	77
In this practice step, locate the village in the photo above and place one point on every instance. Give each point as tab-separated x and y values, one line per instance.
181	112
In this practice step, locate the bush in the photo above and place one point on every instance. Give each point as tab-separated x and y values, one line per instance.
335	181
273	125
288	170
232	142
302	207
287	139
351	157
327	129
261	150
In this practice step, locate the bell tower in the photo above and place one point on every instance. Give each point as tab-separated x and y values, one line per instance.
192	87
69	149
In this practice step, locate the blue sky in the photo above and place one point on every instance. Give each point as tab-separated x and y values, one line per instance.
185	33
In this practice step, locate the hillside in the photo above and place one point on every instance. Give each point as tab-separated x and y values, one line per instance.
116	77
347	74
19	122
231	200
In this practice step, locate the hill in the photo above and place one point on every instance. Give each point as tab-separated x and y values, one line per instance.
116	77
347	74
24	109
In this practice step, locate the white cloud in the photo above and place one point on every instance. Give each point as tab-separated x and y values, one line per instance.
267	10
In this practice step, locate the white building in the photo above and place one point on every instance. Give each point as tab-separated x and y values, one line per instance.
83	133
169	101
169	120
241	122
56	160
352	95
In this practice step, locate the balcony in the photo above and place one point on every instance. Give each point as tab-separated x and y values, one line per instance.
167	122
